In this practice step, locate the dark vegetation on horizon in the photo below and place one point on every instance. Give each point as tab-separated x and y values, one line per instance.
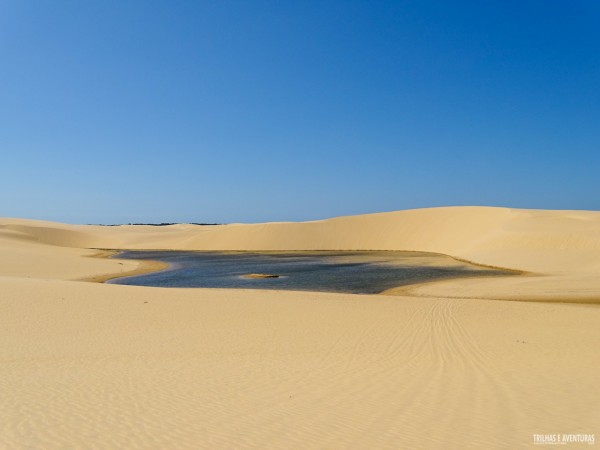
162	224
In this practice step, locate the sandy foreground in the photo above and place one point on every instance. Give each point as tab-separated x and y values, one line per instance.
451	365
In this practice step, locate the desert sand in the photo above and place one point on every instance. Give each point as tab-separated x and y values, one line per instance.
456	364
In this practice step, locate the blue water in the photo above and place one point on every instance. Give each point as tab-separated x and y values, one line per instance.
353	272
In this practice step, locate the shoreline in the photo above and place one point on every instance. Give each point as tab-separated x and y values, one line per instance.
145	266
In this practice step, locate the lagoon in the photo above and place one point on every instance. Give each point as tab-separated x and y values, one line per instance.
359	272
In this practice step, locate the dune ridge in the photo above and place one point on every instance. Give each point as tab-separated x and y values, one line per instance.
495	236
558	248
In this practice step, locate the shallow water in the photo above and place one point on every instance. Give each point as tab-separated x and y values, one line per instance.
352	272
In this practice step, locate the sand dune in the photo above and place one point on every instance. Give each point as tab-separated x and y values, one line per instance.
532	240
88	365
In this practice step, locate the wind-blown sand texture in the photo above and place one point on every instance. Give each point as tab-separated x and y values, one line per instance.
446	365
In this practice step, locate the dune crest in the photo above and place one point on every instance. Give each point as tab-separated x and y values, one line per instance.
537	241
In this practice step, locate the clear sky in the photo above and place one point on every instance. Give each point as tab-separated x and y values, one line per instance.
217	111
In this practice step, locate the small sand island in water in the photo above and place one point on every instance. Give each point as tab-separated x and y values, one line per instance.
260	275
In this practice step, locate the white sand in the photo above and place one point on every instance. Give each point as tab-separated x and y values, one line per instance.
88	365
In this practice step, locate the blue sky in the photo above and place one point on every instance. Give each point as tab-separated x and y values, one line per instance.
136	111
